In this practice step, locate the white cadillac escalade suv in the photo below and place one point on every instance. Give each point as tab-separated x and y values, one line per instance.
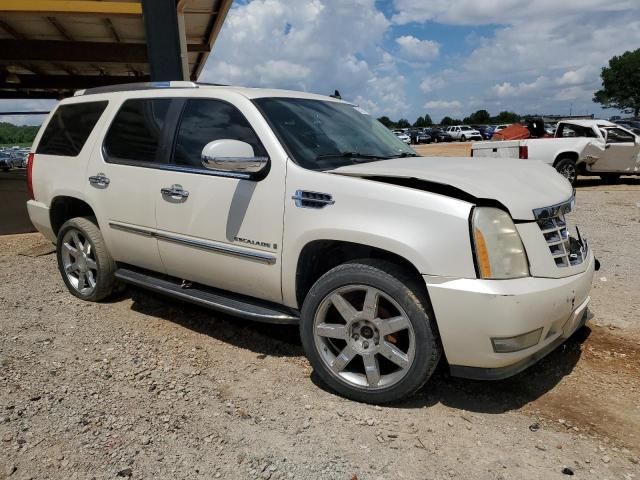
289	207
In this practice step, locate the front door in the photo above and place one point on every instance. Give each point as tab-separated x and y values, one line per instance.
218	230
620	154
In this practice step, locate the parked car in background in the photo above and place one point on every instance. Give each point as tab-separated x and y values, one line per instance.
497	128
439	135
5	161
403	136
632	125
550	129
463	133
580	147
486	131
424	136
385	261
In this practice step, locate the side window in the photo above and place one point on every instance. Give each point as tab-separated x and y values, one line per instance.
206	120
136	130
616	135
69	128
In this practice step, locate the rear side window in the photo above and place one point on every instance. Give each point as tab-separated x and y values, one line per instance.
206	120
136	131
69	128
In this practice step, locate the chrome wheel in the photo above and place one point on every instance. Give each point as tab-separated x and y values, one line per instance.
79	262
364	337
568	171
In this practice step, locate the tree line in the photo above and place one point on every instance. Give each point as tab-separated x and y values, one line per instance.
15	134
479	117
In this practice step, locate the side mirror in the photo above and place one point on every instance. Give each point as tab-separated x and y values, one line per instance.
233	158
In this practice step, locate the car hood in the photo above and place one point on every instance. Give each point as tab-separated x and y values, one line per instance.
520	186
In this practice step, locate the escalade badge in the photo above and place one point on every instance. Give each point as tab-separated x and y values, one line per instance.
255	243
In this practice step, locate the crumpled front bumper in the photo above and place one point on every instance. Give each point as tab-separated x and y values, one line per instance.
470	312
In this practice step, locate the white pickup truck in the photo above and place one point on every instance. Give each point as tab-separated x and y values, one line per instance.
580	147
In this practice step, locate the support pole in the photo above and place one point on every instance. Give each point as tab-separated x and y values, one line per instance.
163	40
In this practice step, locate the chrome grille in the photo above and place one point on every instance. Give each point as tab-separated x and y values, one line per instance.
565	249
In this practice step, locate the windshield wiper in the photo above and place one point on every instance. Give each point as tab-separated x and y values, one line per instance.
349	155
404	155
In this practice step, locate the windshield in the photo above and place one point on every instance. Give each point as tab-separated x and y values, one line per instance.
322	135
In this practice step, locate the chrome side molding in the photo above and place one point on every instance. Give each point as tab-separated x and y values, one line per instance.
255	255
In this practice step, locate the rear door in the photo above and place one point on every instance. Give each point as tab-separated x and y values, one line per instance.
123	179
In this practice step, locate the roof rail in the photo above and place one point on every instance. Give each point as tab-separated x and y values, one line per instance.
127	87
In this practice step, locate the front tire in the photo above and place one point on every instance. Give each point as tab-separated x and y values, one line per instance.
567	168
369	331
463	138
84	262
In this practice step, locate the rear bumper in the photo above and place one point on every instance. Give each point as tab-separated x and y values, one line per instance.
472	312
39	215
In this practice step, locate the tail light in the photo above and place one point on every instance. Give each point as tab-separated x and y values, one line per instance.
30	159
523	152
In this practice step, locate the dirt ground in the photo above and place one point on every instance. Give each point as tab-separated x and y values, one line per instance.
146	387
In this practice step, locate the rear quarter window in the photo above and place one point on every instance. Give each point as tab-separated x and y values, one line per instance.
69	128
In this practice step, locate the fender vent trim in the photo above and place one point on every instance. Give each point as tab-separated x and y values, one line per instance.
307	199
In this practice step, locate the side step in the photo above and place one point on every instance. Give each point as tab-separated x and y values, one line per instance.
219	300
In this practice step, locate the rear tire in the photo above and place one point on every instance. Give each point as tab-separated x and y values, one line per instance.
610	178
463	138
567	168
84	262
369	331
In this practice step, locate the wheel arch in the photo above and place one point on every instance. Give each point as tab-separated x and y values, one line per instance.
65	207
317	257
566	154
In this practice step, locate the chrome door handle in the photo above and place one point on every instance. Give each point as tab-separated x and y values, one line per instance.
100	180
174	191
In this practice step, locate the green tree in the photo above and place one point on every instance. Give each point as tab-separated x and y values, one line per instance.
419	123
13	134
427	121
506	117
386	121
446	121
479	117
621	83
403	123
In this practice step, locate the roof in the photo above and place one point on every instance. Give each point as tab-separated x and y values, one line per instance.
49	48
247	92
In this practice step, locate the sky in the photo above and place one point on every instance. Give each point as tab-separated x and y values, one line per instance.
406	58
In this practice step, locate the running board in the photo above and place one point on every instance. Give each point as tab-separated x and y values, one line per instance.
225	302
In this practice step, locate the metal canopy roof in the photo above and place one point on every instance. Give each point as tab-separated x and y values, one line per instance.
50	48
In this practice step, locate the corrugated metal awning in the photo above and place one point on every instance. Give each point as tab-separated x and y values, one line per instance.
49	48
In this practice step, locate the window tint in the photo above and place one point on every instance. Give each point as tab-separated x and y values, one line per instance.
136	130
69	128
569	130
206	120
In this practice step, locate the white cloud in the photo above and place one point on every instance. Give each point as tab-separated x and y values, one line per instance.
443	105
413	48
318	46
25	106
506	89
497	12
431	83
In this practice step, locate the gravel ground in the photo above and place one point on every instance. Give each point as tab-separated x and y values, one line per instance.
146	387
